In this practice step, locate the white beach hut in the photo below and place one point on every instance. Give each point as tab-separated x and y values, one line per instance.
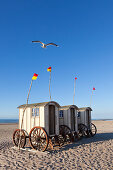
44	115
84	116
68	117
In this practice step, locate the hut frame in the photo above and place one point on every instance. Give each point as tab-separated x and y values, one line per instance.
40	128
69	122
85	126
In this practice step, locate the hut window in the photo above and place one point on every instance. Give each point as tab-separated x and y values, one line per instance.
35	111
78	114
61	113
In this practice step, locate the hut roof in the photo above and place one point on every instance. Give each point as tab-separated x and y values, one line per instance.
68	107
84	109
37	104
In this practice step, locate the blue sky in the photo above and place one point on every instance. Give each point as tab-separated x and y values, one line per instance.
84	32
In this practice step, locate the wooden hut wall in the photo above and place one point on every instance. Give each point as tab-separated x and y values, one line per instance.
66	120
87	123
42	117
76	121
46	117
63	120
29	120
69	118
57	120
26	119
84	118
79	120
80	117
90	118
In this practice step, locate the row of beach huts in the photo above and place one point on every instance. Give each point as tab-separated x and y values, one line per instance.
49	124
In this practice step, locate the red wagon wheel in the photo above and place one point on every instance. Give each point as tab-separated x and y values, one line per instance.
93	129
19	138
65	131
38	139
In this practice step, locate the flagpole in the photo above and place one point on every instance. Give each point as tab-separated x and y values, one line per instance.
49	86
74	91
91	98
26	102
29	91
24	112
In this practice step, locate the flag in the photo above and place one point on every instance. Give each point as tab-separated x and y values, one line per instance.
75	78
34	76
49	69
93	88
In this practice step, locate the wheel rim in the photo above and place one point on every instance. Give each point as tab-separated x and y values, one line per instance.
38	139
93	129
61	140
19	138
83	130
65	131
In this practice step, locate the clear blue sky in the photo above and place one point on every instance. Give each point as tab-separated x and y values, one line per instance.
84	31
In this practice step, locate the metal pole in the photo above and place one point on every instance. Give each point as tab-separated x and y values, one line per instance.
24	112
74	91
49	86
91	98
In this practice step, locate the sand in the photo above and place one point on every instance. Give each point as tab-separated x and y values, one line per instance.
89	153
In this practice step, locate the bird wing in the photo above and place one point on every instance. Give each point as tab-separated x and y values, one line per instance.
37	42
52	44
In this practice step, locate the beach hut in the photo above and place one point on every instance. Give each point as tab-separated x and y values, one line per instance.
68	119
44	114
84	116
84	121
40	123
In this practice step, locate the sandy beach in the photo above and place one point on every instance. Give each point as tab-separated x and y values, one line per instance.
89	153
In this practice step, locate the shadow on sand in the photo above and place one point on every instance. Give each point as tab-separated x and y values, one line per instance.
99	137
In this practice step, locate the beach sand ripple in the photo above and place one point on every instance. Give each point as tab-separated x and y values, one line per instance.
89	153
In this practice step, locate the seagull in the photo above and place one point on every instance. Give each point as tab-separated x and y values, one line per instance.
44	45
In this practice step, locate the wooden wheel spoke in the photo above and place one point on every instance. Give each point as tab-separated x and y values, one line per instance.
19	137
93	129
33	139
43	140
42	133
65	132
40	140
39	131
36	132
83	130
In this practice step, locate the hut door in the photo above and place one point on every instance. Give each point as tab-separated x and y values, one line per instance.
72	119
88	117
51	119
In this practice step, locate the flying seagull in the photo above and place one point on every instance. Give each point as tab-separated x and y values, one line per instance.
44	45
